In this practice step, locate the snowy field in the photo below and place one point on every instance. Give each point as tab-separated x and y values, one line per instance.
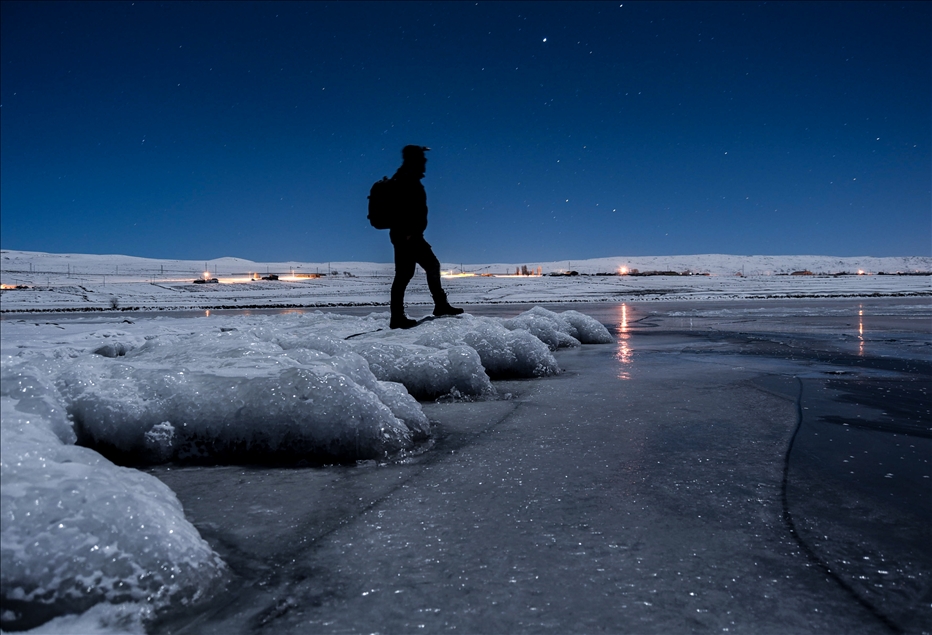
93	402
60	282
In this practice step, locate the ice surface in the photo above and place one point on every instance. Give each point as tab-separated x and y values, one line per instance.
257	386
75	529
640	491
78	530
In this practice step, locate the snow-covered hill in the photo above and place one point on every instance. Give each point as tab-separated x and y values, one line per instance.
79	282
13	263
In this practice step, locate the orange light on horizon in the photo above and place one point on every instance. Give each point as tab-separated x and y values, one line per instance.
623	271
234	280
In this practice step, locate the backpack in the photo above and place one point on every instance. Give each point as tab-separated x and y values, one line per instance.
382	203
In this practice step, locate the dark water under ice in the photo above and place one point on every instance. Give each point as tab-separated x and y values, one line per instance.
730	467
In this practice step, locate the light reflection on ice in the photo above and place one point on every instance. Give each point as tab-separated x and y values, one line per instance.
623	354
860	331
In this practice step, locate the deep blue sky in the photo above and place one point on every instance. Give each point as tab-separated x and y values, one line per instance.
558	130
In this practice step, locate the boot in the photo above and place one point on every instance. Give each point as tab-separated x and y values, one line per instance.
444	308
402	322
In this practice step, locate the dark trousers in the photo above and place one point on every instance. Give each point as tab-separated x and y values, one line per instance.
408	253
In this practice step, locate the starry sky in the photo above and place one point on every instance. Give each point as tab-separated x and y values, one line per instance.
557	130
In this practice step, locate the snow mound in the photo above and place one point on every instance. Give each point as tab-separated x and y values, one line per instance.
298	387
428	372
448	355
503	352
231	395
77	530
128	618
559	330
585	329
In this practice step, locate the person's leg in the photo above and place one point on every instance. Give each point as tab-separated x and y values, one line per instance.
431	265
425	257
404	271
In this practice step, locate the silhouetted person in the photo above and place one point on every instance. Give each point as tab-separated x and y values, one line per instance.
407	235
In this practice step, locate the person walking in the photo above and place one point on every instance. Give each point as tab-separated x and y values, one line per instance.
407	235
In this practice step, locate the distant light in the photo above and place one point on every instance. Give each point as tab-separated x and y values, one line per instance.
545	39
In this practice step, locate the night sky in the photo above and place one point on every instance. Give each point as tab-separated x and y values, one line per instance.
558	130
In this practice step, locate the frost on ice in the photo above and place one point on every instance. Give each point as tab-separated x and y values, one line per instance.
78	530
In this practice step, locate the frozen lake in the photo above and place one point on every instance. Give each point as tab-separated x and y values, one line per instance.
734	467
